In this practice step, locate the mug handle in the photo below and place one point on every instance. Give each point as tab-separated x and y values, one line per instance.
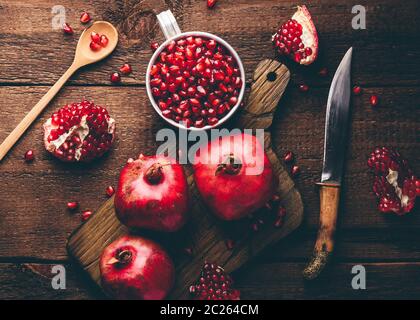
168	24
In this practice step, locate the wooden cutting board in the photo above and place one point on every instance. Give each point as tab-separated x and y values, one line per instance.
204	233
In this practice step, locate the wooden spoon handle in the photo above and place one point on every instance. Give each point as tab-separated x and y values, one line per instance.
324	246
14	136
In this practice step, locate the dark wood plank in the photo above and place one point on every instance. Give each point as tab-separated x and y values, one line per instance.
393	48
256	281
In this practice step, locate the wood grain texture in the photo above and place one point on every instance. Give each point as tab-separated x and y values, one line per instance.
34	222
207	235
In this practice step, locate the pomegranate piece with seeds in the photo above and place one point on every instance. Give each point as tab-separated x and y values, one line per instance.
154	45
214	284
79	132
195	81
298	38
67	29
395	184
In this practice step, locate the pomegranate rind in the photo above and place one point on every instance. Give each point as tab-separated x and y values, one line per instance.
395	184
309	34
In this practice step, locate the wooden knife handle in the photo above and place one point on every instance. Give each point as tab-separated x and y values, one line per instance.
324	246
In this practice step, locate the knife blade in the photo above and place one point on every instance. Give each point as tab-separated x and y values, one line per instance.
336	123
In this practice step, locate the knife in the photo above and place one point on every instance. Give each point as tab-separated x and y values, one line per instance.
334	152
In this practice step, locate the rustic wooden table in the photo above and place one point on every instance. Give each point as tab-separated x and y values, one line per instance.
34	222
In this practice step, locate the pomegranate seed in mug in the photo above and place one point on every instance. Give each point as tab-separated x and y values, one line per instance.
199	77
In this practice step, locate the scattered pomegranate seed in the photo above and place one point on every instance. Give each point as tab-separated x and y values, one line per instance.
29	156
94	46
188	251
303	88
104	40
211	3
323	72
230	244
110	191
374	100
86	215
214	284
126	69
288	156
295	170
297	38
67	28
115	77
154	45
85	17
72	205
418	187
357	90
79	132
276	198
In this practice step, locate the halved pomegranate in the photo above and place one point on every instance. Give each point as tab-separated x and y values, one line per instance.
79	132
298	38
395	184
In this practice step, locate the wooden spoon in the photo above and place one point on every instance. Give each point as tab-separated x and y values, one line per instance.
83	56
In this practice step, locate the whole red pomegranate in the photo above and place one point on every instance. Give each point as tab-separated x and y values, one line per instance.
136	268
395	184
79	132
234	176
152	193
297	38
